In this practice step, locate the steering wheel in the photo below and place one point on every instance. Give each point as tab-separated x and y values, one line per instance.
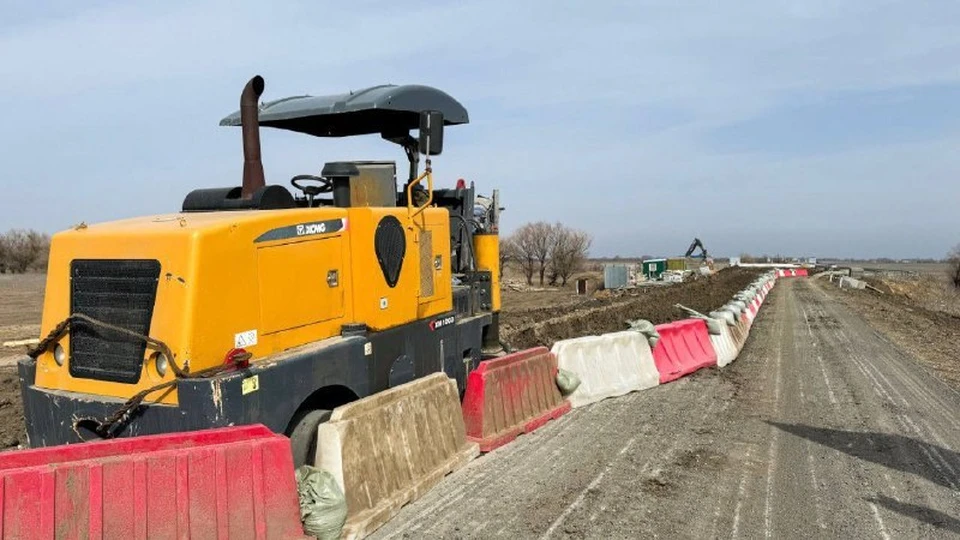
311	191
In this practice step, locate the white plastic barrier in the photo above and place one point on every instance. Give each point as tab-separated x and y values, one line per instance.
609	365
724	346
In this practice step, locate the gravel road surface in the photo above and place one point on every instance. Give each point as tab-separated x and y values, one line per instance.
822	428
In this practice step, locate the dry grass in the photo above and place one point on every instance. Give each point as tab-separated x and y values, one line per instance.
21	304
930	291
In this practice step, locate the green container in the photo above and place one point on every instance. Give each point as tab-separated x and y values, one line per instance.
654	268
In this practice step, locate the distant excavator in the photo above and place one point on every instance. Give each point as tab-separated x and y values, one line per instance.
705	260
693	247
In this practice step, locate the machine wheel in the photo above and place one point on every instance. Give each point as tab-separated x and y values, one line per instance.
303	435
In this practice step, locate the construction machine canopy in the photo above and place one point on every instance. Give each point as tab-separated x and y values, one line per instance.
389	110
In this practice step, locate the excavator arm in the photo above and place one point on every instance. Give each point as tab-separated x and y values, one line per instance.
693	247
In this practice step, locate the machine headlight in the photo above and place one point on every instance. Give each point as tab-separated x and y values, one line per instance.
59	355
162	363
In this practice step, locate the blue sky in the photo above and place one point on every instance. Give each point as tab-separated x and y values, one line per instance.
802	127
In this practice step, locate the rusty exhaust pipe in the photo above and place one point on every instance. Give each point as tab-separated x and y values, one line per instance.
253	178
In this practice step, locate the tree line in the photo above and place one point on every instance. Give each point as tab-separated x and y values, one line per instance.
550	251
23	250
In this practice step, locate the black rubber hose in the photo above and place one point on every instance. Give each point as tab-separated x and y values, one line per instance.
466	229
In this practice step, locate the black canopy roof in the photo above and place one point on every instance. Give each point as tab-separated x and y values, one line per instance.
385	109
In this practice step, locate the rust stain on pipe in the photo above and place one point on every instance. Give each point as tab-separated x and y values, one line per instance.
253	178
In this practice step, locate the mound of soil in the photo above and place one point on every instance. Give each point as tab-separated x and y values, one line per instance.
543	326
12	430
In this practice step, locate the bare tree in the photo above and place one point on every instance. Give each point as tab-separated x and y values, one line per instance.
40	245
543	244
533	243
22	250
567	253
508	253
522	244
954	269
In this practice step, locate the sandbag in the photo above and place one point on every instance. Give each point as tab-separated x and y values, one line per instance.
646	328
724	315
713	325
323	508
567	381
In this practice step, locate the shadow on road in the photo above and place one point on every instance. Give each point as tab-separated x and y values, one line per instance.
916	457
920	513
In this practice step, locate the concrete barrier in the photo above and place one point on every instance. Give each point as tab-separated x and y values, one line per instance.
684	347
389	449
609	365
851	283
511	395
233	482
725	347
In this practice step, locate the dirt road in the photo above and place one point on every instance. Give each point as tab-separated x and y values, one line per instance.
821	429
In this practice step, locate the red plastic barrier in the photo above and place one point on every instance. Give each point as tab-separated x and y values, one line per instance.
233	482
684	347
793	272
511	395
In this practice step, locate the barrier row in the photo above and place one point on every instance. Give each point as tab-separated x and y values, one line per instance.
383	451
792	272
388	449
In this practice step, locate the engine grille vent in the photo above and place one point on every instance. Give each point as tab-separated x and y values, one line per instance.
120	292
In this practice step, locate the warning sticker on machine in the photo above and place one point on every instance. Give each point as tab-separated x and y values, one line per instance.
250	384
440	323
245	339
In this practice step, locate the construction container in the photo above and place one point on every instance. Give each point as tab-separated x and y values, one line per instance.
615	276
653	269
678	264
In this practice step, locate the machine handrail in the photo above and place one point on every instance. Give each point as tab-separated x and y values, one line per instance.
414	211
